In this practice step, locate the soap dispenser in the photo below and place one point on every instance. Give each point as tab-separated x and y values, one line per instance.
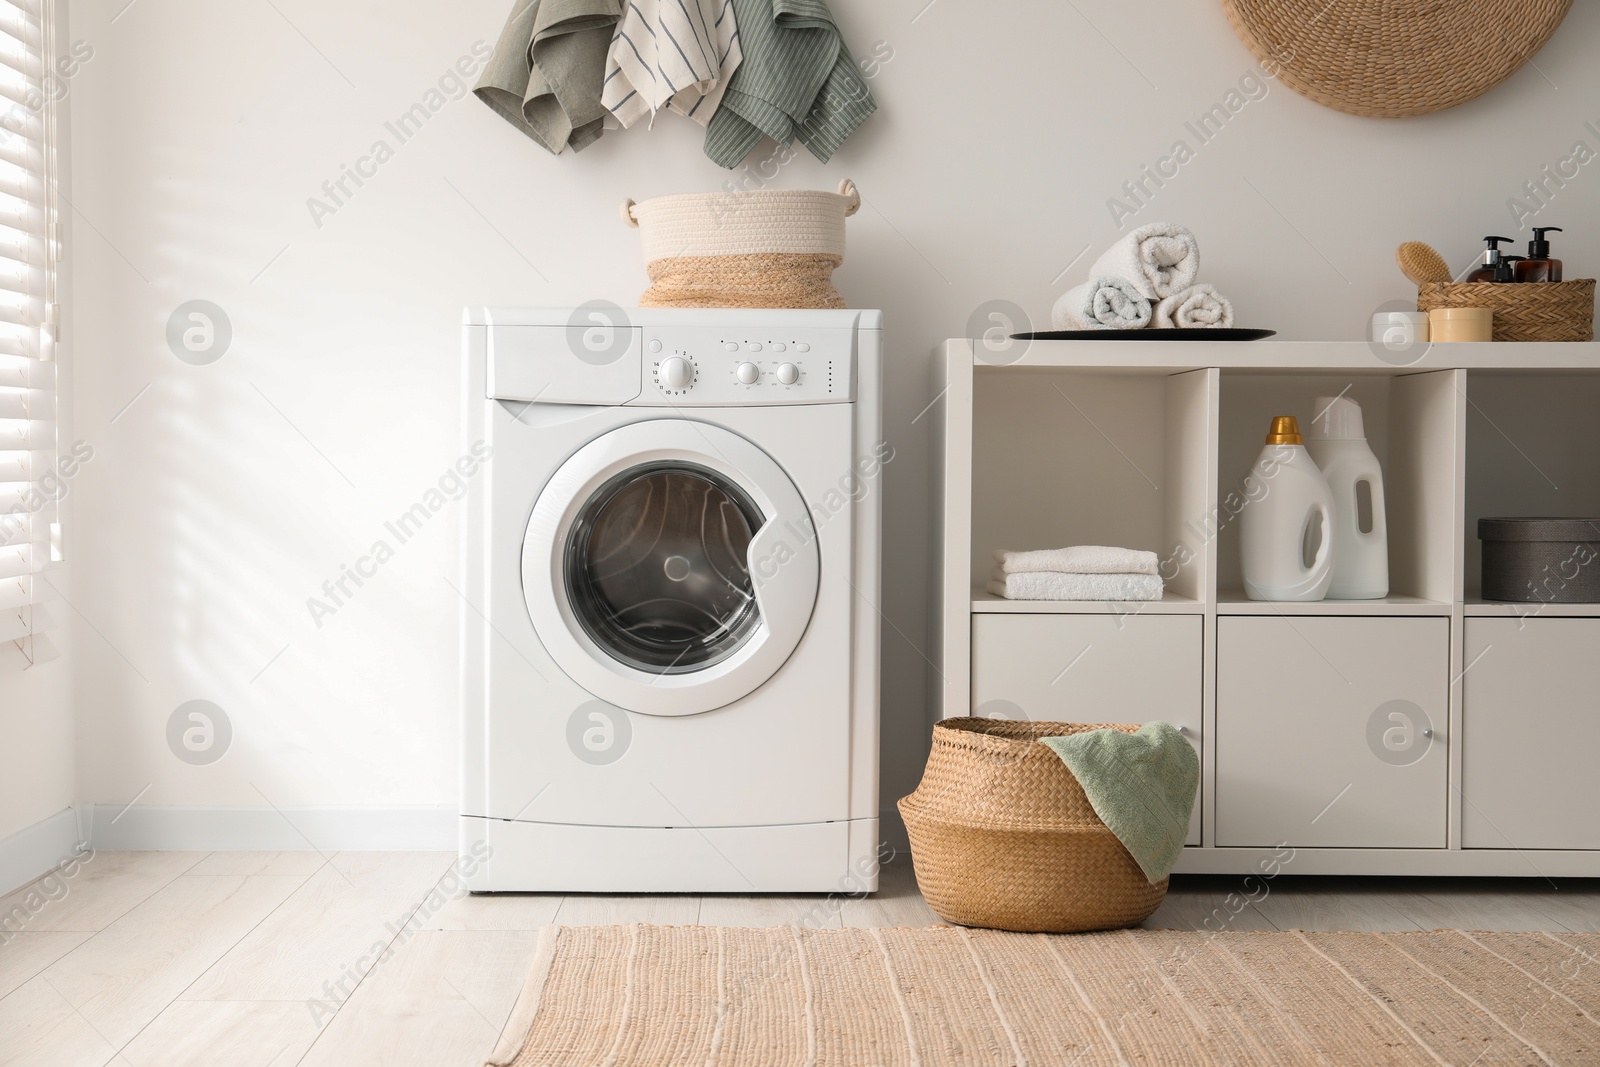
1491	262
1337	442
1286	547
1539	267
1507	270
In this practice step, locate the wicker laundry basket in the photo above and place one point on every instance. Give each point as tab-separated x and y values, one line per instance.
764	248
1003	836
1534	311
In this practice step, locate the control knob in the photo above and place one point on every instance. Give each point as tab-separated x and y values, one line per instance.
747	373
788	374
676	373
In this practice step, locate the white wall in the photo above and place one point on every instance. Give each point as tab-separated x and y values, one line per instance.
226	494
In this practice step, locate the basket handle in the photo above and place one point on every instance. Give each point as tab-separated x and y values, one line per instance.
627	213
847	189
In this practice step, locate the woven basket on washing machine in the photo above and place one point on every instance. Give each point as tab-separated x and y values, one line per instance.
766	248
1002	835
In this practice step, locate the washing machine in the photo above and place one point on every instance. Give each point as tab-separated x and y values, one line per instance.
669	600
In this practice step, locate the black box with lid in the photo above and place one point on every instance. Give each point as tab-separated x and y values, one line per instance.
1547	561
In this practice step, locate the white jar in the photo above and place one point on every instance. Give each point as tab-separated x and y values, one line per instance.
1397	331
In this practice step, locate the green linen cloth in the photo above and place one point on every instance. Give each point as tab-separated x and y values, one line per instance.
1141	785
548	69
797	80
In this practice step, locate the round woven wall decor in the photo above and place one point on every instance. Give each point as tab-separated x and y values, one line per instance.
1393	58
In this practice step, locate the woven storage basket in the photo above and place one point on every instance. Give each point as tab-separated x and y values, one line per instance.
766	248
1003	836
1535	311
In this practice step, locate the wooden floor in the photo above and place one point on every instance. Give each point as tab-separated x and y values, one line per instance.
275	959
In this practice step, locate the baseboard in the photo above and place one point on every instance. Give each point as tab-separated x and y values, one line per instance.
30	852
320	829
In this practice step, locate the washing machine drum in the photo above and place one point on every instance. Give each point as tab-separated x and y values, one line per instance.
670	567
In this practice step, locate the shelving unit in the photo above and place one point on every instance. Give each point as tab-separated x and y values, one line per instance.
1291	707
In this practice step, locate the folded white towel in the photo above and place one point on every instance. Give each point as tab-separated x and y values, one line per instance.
1079	559
1052	585
1197	306
1105	303
676	54
1160	259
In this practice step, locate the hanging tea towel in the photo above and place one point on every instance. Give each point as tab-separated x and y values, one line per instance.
676	54
547	70
796	80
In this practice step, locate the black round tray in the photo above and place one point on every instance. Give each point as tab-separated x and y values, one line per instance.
1219	333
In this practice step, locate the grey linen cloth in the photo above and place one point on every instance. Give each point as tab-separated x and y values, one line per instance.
797	80
548	69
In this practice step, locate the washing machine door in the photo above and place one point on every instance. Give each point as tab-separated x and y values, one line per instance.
670	567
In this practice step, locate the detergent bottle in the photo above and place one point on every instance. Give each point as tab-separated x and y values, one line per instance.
1338	443
1286	535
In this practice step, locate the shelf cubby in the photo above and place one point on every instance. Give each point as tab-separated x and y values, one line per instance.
1532	449
1411	422
1064	457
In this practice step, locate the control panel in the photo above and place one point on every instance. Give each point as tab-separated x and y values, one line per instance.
699	366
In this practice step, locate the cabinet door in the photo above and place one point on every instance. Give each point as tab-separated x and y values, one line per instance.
1090	668
1323	731
1531	731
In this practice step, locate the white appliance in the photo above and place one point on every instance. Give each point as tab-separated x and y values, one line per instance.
670	675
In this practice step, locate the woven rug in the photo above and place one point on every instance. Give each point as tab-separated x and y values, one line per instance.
659	995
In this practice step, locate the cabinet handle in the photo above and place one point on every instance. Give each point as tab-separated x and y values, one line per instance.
1184	730
1427	733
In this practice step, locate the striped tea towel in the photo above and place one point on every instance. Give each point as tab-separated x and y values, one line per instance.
676	54
797	80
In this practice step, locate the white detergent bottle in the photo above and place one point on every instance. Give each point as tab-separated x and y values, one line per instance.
1338	443
1285	531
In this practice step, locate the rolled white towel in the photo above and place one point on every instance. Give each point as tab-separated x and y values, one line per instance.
1106	303
1051	585
1078	559
1160	259
1199	306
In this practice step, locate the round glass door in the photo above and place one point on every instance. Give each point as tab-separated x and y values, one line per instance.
656	567
670	567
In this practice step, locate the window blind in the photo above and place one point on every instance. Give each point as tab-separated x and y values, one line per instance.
30	485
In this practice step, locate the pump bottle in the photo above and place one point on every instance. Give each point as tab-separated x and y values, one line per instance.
1539	267
1491	264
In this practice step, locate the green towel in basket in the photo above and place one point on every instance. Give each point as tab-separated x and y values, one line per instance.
1141	785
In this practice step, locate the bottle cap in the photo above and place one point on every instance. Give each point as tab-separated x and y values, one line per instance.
1539	247
1336	418
1285	431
